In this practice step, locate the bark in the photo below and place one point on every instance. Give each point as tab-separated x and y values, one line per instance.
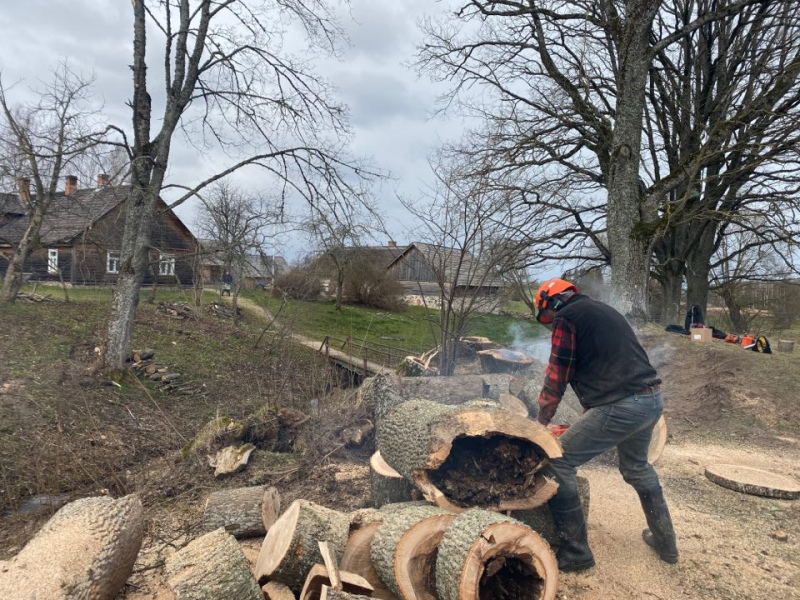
357	559
291	547
698	268
319	577
489	555
242	512
671	284
277	591
386	485
211	567
403	549
738	320
629	240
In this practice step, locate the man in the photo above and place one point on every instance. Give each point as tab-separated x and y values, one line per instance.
595	350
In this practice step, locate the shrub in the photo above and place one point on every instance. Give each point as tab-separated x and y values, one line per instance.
298	284
373	286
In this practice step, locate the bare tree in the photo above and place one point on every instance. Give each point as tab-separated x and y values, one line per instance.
228	77
40	141
235	223
571	79
464	246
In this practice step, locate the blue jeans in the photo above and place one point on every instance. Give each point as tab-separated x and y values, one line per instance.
627	425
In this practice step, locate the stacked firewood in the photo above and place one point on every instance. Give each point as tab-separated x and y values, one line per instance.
144	365
176	310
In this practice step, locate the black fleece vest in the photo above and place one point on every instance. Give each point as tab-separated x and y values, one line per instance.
610	362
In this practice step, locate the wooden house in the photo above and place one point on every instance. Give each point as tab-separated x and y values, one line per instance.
81	236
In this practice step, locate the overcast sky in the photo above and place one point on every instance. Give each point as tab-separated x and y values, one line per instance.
390	105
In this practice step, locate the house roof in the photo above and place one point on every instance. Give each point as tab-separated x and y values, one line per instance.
256	265
471	272
67	217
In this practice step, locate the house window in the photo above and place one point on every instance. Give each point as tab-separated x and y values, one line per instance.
112	262
166	264
52	260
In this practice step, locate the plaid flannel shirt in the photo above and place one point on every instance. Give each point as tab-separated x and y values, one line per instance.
560	369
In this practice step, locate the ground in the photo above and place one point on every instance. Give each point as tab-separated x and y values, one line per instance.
65	432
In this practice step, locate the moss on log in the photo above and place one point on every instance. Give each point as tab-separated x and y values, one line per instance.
488	556
291	547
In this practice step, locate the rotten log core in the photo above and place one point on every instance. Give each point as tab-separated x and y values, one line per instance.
510	578
482	471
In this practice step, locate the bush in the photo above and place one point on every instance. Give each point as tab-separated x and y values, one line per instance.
373	286
298	284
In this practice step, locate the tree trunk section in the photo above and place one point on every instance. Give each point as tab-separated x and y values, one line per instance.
212	567
671	293
404	549
541	521
242	512
417	437
331	594
488	556
357	559
785	346
291	546
277	591
385	484
698	269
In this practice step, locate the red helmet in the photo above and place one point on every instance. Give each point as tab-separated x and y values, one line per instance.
544	297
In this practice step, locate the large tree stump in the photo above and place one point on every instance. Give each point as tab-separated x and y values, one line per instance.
86	550
277	591
385	484
462	456
541	521
488	556
212	567
291	546
785	346
404	548
242	512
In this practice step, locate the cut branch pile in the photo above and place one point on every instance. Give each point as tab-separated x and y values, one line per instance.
145	366
176	310
33	297
222	310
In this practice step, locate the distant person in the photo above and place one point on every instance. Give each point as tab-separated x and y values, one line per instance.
595	350
227	281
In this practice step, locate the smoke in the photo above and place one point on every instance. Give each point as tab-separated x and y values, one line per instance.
659	355
537	348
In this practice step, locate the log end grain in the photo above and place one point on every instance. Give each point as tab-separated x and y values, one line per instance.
756	482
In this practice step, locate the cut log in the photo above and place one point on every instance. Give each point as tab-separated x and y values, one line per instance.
513	405
231	459
785	346
541	521
387	485
242	512
212	567
277	591
404	548
290	548
756	482
331	594
488	556
380	395
319	576
86	550
658	442
503	360
462	456
357	559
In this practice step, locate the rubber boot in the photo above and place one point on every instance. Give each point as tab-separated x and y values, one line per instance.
661	535
573	552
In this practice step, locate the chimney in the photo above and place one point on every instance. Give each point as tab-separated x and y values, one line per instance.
24	187
70	185
392	244
102	180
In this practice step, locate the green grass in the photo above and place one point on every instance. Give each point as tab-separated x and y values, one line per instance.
410	329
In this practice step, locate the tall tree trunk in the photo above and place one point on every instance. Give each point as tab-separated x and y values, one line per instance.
698	268
14	277
339	288
628	238
671	285
738	320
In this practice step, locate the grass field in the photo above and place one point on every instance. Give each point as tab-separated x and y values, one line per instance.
412	329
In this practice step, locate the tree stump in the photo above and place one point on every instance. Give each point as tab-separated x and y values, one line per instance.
242	512
357	559
277	591
785	346
488	556
291	546
404	548
212	567
86	550
424	442
385	484
541	521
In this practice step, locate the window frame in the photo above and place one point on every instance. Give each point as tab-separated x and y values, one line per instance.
52	266
166	259
112	255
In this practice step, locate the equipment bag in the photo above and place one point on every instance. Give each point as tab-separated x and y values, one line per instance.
762	345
